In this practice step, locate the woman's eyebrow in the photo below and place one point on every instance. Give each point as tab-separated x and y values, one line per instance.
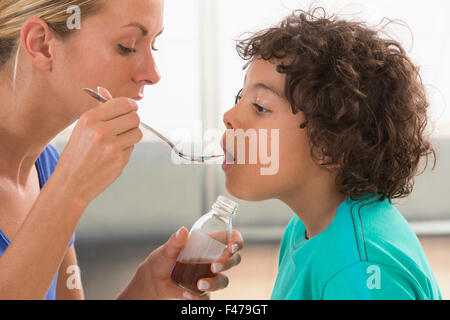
144	30
137	25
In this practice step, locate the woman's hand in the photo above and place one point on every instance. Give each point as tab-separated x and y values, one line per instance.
152	280
100	147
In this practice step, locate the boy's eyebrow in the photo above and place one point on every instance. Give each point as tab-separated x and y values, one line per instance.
269	88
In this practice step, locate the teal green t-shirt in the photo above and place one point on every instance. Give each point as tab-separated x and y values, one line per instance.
367	252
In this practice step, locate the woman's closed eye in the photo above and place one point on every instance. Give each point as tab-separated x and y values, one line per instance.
126	51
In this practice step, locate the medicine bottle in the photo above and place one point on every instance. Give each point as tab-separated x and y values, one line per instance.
208	239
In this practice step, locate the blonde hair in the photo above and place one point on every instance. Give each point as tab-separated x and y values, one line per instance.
14	13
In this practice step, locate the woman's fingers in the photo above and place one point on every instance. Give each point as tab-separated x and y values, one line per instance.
124	123
230	257
220	281
175	244
130	138
100	147
114	108
190	296
236	242
104	93
226	262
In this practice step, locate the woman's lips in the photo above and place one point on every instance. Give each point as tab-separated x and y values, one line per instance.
140	96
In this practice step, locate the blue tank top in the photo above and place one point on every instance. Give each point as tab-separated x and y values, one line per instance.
45	166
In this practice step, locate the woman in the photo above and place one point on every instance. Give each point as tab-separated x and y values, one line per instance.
43	66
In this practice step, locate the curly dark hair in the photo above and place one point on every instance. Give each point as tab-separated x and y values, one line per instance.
363	99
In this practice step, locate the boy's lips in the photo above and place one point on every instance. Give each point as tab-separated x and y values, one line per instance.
227	165
229	160
228	155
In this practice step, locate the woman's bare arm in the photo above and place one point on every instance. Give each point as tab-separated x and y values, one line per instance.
69	285
29	264
97	152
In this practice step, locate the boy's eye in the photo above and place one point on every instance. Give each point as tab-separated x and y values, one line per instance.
125	50
259	109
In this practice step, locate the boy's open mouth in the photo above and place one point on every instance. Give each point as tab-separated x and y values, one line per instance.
229	156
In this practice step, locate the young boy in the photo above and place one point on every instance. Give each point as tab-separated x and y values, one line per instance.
351	112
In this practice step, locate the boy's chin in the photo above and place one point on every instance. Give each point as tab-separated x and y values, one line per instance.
245	194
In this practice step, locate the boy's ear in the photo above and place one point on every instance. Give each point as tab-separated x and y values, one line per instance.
326	160
325	163
36	39
333	166
337	165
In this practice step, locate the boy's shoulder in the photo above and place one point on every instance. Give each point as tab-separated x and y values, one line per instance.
377	231
365	239
367	230
359	236
356	232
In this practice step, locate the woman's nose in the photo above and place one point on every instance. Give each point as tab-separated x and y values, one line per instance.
148	71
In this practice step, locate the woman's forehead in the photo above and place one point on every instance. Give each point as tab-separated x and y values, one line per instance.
147	13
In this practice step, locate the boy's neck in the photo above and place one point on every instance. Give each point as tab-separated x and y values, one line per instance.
315	205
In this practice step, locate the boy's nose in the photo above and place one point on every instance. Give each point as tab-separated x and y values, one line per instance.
228	120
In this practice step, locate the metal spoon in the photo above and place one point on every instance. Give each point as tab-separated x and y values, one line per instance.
201	159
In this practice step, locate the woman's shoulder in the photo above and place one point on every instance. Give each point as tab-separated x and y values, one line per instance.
50	153
46	163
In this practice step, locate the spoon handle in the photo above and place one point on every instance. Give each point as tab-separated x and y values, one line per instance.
98	97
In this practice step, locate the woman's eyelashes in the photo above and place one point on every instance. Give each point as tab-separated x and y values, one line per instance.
127	51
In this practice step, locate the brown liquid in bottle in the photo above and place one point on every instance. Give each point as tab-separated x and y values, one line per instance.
187	273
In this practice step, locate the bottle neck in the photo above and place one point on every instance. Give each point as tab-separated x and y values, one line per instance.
225	217
225	210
